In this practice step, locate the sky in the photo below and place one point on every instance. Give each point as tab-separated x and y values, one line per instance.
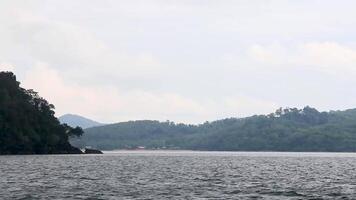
187	61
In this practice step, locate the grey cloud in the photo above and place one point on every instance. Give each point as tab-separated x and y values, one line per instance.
202	52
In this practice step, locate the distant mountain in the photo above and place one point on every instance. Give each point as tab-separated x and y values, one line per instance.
289	129
76	120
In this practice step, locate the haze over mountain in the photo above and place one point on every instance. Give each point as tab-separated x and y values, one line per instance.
77	120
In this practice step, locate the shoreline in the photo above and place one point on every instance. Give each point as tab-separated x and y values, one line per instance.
201	152
231	153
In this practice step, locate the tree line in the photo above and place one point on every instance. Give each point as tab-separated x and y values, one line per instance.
287	129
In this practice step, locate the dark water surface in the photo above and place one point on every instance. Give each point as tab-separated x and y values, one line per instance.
179	175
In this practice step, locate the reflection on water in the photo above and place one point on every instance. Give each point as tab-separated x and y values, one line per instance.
180	175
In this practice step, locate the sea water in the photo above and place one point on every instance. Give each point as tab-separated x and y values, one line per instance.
179	175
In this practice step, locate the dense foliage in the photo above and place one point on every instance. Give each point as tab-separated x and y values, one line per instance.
288	129
28	124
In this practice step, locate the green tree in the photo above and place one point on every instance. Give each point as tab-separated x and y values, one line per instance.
28	124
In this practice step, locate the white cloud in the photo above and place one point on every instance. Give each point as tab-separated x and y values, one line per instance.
248	105
111	104
271	55
329	57
105	103
68	46
6	67
184	61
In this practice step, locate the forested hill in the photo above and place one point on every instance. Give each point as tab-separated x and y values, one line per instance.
288	129
28	124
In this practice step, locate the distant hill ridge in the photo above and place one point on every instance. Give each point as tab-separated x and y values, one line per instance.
77	120
288	129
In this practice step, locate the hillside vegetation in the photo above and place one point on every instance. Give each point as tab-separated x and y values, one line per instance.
28	124
289	129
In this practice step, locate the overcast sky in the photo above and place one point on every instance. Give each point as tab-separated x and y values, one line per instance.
185	61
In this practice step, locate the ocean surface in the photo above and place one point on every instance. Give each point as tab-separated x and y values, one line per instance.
179	175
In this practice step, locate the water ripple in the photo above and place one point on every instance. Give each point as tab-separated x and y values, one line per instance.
179	175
